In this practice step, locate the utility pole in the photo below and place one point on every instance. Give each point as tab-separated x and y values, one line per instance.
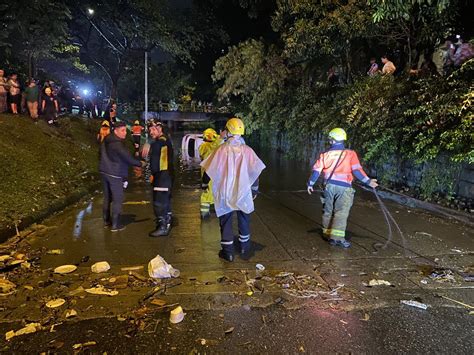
146	87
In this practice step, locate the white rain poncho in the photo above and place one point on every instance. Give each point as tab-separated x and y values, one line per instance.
233	168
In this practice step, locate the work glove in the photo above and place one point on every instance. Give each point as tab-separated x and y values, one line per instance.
310	190
373	183
125	184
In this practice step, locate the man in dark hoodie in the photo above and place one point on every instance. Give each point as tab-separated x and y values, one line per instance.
115	160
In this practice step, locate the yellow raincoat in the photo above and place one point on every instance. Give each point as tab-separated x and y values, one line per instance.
206	149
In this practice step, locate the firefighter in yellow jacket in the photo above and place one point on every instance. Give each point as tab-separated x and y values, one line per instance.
210	144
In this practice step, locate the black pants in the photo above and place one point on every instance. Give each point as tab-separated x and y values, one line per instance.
227	234
162	183
113	195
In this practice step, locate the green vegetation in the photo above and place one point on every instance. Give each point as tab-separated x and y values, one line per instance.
283	86
44	167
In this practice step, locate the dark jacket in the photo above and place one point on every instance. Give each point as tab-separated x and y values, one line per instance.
161	155
115	158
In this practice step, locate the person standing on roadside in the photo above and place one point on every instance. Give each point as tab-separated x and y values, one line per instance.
3	92
49	106
115	159
32	94
15	93
161	165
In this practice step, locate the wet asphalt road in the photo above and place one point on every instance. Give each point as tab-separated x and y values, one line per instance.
285	238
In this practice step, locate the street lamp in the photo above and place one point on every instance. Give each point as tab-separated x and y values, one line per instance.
90	11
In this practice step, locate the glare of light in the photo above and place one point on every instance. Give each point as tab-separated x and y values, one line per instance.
90	11
458	36
85	92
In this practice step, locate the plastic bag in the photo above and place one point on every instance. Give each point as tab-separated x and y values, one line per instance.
158	268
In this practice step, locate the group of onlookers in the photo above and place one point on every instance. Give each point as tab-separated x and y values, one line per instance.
48	100
442	61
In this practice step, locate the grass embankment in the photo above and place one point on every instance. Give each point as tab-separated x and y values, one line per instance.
43	168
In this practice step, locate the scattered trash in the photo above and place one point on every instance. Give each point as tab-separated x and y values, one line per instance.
158	268
4	258
28	287
366	317
71	313
343	321
28	329
102	266
442	275
284	274
458	302
207	342
424	234
83	345
249	293
158	302
375	282
76	291
456	250
228	331
101	290
414	304
119	281
65	269
55	252
260	267
177	315
467	277
132	268
56	303
6	287
424	281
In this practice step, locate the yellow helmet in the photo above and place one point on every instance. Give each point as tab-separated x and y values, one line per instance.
338	134
136	122
210	135
105	123
235	126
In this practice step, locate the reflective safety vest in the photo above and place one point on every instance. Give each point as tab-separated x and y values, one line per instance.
348	164
137	130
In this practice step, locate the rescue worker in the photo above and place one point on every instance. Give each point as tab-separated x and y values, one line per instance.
104	131
337	165
161	160
211	143
115	160
136	136
234	169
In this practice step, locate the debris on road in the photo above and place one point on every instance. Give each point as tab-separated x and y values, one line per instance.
6	287
55	252
442	275
28	329
375	282
177	315
102	266
132	268
65	269
70	313
260	267
158	302
83	345
56	303
413	303
101	290
228	331
158	268
455	301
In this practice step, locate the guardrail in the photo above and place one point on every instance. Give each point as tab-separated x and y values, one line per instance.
158	106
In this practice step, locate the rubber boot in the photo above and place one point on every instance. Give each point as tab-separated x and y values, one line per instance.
227	253
244	247
340	243
163	228
205	213
116	225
